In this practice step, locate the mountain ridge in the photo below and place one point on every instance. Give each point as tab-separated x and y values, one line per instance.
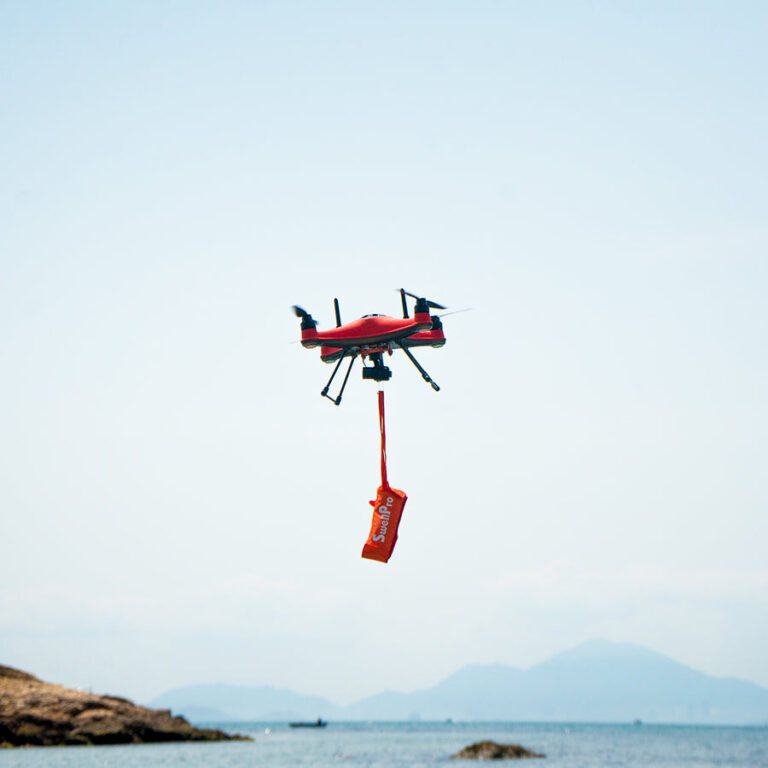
596	681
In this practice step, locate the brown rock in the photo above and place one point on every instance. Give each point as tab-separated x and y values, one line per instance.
490	750
36	713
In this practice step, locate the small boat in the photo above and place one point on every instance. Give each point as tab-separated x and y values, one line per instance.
319	723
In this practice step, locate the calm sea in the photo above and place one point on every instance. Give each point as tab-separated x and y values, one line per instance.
408	745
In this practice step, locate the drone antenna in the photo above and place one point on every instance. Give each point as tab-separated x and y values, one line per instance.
405	305
338	314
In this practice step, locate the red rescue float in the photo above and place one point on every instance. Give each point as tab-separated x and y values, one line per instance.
387	509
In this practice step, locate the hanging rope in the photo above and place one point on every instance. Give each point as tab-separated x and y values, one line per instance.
384	483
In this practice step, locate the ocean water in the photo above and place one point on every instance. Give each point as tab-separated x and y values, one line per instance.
409	745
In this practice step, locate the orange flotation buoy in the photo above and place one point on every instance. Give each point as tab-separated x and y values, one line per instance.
387	508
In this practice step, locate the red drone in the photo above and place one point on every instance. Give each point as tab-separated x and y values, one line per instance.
371	336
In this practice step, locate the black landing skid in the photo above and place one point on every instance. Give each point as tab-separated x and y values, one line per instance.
424	374
324	392
375	372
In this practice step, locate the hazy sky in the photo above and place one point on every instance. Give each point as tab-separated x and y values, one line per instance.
178	504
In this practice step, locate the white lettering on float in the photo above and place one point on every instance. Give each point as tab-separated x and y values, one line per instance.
385	512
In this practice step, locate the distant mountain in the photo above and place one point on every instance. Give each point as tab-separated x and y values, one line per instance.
473	693
221	703
598	681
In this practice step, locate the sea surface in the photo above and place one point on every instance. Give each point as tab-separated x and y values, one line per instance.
413	744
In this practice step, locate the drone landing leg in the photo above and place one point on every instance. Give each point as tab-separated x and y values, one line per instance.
324	392
423	373
344	383
337	400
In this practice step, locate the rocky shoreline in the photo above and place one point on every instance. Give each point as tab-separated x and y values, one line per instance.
36	713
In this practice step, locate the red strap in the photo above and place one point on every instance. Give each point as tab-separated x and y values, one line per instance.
384	483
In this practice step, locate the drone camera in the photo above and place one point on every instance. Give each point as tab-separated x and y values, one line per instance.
377	373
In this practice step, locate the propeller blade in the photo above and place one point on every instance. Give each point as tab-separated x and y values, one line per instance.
299	312
455	311
432	304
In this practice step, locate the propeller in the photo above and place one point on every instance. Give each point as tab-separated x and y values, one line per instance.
431	304
307	321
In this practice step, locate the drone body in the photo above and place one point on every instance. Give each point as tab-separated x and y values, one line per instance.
372	336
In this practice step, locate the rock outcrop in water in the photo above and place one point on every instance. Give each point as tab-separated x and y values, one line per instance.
36	713
490	750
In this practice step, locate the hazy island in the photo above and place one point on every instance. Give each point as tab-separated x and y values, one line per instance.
36	713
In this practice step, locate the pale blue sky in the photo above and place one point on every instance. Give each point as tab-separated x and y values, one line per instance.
177	503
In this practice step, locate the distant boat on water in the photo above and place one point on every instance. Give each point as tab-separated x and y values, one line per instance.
319	723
